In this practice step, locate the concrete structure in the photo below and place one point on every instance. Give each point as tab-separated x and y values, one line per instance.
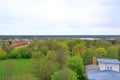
105	69
109	64
91	67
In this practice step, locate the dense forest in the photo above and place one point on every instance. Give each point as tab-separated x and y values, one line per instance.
54	59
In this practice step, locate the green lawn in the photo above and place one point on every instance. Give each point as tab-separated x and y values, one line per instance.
20	66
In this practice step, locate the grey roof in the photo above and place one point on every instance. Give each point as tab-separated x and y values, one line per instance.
110	61
103	75
91	67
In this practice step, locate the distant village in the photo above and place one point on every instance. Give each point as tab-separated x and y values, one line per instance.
18	42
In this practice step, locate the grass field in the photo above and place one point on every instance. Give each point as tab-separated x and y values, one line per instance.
20	66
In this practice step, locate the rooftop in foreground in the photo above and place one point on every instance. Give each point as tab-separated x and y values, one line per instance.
103	75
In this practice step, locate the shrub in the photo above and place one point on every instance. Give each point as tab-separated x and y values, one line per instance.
14	54
65	74
24	51
2	54
20	53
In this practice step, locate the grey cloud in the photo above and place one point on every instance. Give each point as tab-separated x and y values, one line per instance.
112	17
111	2
12	22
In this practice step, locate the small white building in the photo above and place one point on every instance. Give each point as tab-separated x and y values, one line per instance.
109	64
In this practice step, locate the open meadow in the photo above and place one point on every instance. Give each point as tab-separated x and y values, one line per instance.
13	67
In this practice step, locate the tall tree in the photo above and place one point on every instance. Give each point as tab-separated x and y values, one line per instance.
42	67
79	49
102	43
44	49
61	56
72	43
32	46
112	52
75	63
7	46
87	57
101	52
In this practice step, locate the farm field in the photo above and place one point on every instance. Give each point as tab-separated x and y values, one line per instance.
16	66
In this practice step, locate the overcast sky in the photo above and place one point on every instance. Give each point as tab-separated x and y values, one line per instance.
59	17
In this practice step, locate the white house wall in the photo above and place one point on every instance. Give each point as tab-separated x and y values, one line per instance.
115	67
103	66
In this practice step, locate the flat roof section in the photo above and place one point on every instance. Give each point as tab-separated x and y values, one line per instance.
109	61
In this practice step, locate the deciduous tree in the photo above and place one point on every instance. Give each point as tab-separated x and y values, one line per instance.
112	52
101	52
65	74
79	49
88	55
75	63
42	67
2	54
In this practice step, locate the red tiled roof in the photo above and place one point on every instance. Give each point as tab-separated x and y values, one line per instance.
18	44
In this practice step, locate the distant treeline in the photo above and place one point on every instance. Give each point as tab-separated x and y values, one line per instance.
59	36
